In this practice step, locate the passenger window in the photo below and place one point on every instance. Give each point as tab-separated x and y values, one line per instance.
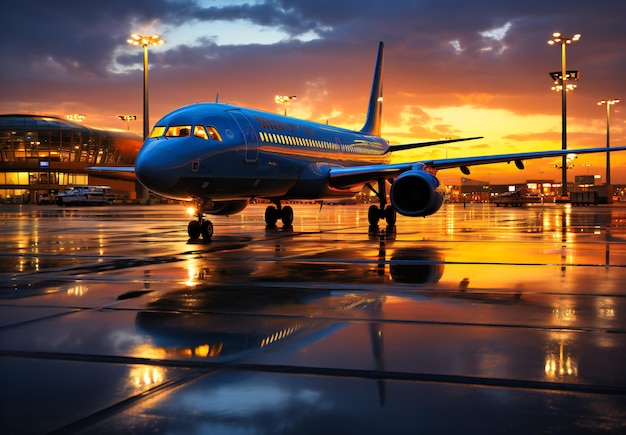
213	133
199	131
178	131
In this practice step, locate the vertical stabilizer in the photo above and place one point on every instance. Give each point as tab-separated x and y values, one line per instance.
375	107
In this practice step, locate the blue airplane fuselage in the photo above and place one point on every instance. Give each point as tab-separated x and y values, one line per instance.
253	154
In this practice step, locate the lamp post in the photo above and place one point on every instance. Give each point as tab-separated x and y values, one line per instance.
608	103
558	39
145	41
127	118
284	99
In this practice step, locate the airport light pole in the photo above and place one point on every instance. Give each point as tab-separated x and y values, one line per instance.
558	39
608	103
127	118
284	99
145	41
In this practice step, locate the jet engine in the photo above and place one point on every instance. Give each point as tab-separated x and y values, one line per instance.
226	207
416	193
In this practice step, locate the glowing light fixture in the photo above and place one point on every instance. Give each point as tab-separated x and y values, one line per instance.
127	118
284	99
76	117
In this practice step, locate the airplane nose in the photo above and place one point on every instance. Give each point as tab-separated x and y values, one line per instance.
155	169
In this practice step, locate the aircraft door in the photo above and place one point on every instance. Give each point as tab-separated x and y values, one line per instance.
249	136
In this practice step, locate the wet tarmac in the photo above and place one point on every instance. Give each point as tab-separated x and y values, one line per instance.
474	320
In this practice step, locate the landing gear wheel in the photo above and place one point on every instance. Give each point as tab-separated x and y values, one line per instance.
373	215
206	229
287	216
194	230
390	215
271	216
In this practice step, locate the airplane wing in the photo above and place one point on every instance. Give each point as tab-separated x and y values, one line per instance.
344	177
124	173
408	146
110	168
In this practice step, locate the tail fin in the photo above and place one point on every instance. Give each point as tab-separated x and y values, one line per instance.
375	107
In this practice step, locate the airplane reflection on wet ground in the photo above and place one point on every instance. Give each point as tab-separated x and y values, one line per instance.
475	319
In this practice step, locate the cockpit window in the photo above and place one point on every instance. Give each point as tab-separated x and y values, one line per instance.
157	131
178	131
213	133
200	132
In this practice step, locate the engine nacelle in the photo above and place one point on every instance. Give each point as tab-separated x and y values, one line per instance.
226	207
416	193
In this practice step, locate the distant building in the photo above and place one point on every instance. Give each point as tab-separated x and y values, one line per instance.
471	190
41	155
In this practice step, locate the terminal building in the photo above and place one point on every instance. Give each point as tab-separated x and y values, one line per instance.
42	155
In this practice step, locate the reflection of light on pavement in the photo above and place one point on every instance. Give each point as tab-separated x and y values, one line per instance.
559	361
145	376
564	313
192	273
605	308
560	365
149	351
449	221
78	290
606	315
100	246
279	335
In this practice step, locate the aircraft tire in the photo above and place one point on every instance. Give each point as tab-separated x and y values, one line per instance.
390	215
194	230
373	215
206	229
287	216
271	216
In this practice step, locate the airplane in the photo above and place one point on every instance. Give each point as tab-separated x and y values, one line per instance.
222	156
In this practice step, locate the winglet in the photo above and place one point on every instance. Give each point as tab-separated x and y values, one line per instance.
375	107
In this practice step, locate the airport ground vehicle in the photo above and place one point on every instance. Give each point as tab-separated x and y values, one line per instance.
517	199
85	195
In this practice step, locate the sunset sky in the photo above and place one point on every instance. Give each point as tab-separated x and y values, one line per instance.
452	68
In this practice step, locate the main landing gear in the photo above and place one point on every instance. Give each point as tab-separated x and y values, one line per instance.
272	214
201	226
374	214
386	212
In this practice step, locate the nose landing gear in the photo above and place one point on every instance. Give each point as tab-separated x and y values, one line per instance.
201	226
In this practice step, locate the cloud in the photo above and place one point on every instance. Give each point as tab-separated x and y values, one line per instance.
59	55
